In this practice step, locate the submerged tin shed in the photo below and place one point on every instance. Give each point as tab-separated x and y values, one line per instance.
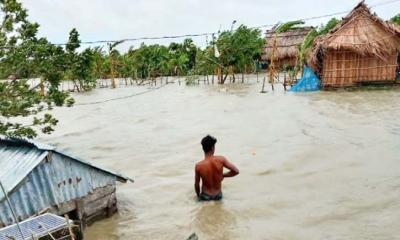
37	179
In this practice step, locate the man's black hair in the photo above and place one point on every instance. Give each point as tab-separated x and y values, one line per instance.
208	142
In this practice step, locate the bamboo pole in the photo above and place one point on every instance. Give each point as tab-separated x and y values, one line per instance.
272	70
12	210
48	232
113	85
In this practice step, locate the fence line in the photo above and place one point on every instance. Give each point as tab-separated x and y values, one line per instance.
239	78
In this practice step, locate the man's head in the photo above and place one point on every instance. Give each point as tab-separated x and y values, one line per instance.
208	143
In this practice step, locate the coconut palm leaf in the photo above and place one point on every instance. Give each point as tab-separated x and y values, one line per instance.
284	27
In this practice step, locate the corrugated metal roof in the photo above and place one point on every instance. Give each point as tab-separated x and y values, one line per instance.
120	177
51	184
16	163
19	157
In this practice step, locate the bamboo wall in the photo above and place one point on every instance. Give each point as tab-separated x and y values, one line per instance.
346	68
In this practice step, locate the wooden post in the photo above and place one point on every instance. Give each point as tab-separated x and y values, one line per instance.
272	85
284	82
41	87
263	86
113	85
71	233
220	77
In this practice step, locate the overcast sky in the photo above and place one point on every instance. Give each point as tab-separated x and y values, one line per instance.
118	19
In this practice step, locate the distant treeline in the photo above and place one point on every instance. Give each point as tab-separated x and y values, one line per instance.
24	55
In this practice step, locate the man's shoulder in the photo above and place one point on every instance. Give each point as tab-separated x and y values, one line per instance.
220	158
199	163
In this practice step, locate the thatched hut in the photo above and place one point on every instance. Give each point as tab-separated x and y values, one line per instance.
286	47
361	49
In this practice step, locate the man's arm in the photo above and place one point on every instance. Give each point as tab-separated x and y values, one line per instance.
197	182
233	170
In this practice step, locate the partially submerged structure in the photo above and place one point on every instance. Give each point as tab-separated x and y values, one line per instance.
46	226
287	44
361	49
37	178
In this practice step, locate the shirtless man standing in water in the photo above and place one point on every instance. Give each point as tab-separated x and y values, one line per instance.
211	172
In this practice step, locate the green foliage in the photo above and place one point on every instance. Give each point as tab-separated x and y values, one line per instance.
191	78
325	29
304	49
80	66
23	55
281	28
206	62
73	41
239	49
396	19
18	99
151	60
307	43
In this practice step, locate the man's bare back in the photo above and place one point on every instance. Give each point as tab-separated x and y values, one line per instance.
210	171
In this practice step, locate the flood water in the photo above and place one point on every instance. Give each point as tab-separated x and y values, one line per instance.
320	165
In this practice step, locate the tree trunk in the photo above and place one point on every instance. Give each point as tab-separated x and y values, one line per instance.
223	79
41	87
113	85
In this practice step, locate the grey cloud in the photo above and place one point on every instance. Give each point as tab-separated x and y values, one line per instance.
106	19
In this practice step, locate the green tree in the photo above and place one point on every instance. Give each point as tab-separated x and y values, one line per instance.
24	55
100	67
80	65
396	19
150	61
238	49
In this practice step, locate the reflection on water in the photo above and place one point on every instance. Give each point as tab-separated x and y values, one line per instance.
322	165
213	221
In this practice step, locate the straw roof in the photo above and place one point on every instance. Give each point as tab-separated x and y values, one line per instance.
287	43
360	32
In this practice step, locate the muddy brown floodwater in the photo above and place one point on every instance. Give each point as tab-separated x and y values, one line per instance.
320	165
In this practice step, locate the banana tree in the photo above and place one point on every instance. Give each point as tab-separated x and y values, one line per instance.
280	28
305	47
